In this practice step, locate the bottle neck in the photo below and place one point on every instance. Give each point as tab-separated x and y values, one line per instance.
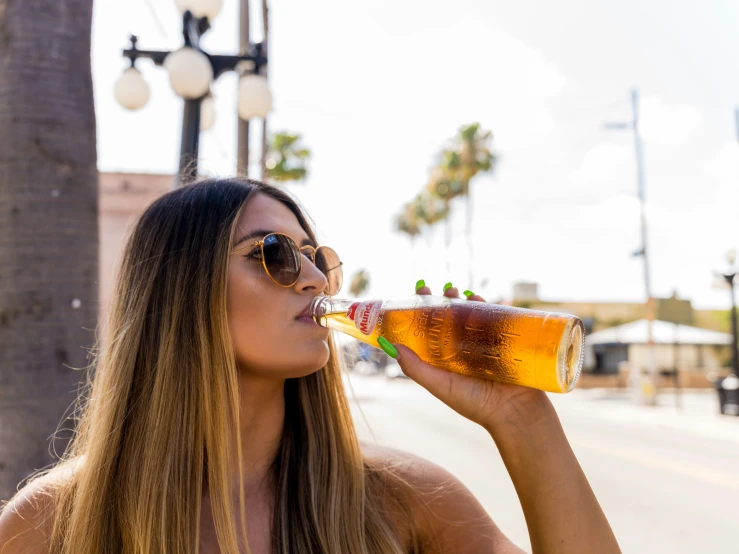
327	305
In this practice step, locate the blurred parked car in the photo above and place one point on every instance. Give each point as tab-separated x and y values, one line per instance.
393	371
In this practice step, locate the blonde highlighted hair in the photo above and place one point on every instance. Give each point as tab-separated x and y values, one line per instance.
159	412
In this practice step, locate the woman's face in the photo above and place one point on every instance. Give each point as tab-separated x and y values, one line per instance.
268	338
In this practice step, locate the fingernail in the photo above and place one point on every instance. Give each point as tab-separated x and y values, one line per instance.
447	287
468	293
420	283
387	347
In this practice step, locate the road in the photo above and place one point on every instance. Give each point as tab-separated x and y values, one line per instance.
667	480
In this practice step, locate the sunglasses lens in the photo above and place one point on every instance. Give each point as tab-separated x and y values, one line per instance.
329	263
282	259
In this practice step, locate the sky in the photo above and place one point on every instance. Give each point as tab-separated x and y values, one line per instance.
376	89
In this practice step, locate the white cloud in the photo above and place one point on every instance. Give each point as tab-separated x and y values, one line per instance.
607	167
724	167
668	125
723	193
375	109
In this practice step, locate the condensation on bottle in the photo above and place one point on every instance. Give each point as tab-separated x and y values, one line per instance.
532	348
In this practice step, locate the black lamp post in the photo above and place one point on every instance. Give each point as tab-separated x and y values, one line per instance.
191	71
729	276
728	388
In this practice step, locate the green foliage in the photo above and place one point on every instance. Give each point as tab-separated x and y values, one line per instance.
467	155
360	282
286	158
424	209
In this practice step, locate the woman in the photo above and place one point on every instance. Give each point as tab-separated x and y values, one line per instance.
217	418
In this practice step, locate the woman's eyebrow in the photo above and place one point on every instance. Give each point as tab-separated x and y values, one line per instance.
261	233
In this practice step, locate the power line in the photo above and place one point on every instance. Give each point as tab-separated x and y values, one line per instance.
157	21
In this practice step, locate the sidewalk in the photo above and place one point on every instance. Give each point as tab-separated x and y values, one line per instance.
698	413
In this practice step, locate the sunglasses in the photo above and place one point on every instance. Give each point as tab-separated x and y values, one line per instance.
282	260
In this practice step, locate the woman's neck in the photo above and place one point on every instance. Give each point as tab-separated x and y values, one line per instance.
262	422
262	418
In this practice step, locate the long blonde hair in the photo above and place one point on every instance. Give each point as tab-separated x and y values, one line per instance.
159	412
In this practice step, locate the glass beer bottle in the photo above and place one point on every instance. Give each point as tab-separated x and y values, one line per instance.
537	349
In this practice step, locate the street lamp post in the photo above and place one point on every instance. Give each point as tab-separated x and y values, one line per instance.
191	72
729	276
728	387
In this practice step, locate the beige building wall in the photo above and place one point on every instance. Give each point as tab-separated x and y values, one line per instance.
606	314
122	198
699	357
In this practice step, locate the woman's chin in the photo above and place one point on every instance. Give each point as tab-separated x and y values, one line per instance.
312	361
299	363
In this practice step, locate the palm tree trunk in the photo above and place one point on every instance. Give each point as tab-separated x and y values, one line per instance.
448	242
413	256
265	42
48	227
468	232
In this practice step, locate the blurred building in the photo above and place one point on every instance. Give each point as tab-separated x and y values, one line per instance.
603	315
523	291
122	198
697	342
676	346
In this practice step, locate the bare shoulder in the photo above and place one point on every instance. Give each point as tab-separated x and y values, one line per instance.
26	521
447	514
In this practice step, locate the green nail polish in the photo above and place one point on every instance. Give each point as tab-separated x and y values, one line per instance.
447	287
420	283
387	347
468	293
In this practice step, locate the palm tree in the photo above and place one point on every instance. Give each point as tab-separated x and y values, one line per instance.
407	222
473	146
287	158
360	283
444	185
48	227
424	211
468	154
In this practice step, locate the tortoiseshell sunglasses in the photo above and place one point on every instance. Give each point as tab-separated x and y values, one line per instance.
282	260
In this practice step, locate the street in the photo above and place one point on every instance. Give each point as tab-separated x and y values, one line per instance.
666	479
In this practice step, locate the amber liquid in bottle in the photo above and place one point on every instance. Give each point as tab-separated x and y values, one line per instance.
537	349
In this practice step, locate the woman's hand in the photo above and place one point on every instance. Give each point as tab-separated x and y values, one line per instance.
549	482
486	402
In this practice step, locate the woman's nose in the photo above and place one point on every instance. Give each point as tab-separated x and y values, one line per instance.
310	276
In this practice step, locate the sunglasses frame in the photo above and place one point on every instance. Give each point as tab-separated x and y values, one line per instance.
300	249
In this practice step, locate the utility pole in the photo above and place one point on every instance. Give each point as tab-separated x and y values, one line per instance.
242	157
648	385
649	388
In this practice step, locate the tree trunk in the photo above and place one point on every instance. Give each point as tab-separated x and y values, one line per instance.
413	256
448	243
48	227
470	251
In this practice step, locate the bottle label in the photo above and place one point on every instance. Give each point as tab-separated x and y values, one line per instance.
365	315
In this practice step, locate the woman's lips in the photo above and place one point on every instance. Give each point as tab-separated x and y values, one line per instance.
307	319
